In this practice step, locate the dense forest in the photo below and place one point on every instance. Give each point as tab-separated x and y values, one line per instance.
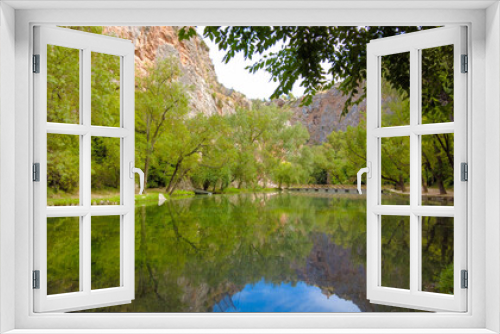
254	147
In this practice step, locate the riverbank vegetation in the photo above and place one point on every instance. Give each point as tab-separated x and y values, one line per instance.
253	148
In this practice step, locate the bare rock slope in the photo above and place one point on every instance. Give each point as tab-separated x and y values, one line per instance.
209	97
152	43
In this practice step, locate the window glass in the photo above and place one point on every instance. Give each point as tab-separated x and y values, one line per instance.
63	170
63	84
437	84
105	90
63	255
105	252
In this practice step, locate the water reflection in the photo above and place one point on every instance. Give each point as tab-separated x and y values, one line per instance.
252	253
284	297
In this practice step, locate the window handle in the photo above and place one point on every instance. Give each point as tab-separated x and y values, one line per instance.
368	171
134	170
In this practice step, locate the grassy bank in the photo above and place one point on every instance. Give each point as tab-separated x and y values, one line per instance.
112	198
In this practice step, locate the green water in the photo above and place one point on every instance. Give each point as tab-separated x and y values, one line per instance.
280	252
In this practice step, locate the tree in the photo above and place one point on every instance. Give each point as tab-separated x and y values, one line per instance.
303	51
161	101
186	142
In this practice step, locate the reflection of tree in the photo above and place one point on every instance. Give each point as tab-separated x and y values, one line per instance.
194	253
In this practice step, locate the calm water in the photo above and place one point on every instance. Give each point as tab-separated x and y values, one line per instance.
282	252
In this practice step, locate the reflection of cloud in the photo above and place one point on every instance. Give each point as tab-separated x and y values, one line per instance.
268	297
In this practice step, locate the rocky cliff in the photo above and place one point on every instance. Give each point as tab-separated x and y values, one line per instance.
209	96
152	43
323	115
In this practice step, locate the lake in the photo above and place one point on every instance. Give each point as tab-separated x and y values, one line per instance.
265	252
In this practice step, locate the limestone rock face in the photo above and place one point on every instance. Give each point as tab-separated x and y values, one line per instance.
208	96
323	115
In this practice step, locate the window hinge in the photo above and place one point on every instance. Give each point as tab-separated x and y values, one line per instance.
465	279
36	63
36	279
465	64
464	171
36	172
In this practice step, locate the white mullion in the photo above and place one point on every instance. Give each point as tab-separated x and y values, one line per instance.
85	157
103	131
406	210
87	254
420	129
108	210
434	211
392	131
392	210
432	129
77	129
414	168
81	230
67	129
127	188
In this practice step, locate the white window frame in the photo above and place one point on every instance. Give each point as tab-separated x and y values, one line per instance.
86	44
483	21
413	44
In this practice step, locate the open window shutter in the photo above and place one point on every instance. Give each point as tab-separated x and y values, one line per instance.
81	290
399	237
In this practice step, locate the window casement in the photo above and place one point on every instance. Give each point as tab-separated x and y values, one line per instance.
481	232
410	126
85	127
450	124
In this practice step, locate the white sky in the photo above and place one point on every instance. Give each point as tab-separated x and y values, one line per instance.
234	75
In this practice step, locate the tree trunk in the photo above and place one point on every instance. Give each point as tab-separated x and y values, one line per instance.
401	184
438	170
442	190
328	177
178	180
425	190
146	172
170	182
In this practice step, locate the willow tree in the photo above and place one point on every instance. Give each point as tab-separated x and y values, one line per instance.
161	99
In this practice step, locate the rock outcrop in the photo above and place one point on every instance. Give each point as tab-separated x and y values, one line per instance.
324	115
208	96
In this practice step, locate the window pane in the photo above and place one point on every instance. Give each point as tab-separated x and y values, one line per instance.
105	89
63	169
63	84
437	169
63	255
437	84
437	254
395	86
396	252
105	171
105	252
395	170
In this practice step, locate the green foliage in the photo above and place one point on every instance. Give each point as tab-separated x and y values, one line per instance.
192	252
304	50
63	164
253	144
446	280
161	107
63	103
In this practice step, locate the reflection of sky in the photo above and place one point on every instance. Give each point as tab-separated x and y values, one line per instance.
268	297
